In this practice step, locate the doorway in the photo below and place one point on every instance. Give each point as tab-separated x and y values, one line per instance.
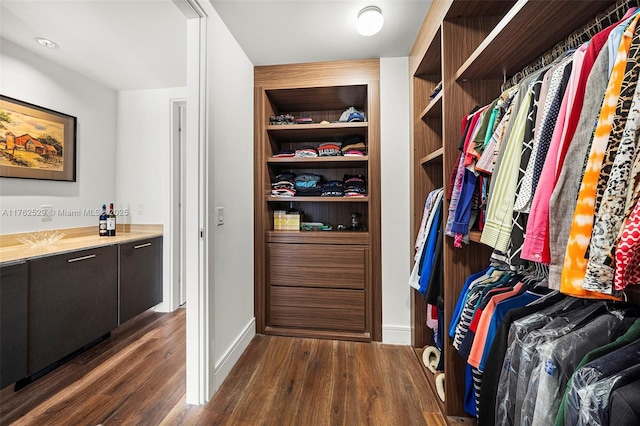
178	135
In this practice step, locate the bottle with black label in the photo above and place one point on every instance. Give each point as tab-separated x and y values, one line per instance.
103	221
111	222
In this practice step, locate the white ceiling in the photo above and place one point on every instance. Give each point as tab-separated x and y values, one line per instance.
140	44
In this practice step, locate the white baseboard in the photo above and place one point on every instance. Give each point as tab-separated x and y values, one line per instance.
229	359
396	334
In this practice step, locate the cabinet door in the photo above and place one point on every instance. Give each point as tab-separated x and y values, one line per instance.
73	300
13	323
140	277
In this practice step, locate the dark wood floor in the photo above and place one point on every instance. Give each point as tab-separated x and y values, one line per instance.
138	377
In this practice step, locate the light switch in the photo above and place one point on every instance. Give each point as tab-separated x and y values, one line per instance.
220	215
47	213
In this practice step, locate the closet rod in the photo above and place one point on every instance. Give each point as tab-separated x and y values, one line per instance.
609	17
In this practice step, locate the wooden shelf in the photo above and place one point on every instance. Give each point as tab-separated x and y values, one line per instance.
475	236
305	133
431	63
318	237
306	162
271	128
434	109
501	54
435	156
318	199
288	100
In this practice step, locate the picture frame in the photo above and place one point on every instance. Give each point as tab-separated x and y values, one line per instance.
36	142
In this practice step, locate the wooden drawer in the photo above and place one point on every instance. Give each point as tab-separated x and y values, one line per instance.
317	308
309	265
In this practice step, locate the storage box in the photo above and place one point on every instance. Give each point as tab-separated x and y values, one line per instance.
290	222
278	219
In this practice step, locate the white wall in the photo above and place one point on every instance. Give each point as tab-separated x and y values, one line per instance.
33	79
230	153
394	155
143	165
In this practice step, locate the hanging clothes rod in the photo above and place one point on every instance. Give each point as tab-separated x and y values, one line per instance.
609	17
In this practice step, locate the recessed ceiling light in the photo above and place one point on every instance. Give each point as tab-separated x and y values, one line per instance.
46	43
370	20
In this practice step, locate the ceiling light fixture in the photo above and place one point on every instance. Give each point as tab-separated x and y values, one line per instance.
370	20
46	43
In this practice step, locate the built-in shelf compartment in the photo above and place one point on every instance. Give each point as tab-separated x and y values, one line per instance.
306	162
318	199
434	157
498	56
434	109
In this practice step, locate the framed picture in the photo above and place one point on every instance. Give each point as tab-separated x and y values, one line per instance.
36	142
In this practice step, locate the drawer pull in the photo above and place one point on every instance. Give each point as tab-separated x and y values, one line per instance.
77	259
142	246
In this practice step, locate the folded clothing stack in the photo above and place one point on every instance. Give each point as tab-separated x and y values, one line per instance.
355	150
329	149
355	186
333	188
307	151
284	185
283	153
308	185
282	119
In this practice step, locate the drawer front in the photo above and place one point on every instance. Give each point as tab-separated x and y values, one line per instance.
308	265
73	300
317	308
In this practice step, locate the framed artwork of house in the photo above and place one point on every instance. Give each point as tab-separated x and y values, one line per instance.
36	142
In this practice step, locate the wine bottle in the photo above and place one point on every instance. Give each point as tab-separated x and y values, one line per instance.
111	222
103	221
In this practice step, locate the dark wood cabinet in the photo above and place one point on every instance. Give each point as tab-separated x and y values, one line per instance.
73	300
140	277
13	323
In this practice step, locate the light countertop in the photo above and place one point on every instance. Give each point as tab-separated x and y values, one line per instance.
13	251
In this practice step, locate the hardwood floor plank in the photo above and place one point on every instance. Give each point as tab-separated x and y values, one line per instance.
343	402
316	386
137	376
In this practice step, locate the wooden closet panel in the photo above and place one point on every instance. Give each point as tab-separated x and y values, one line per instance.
317	308
329	266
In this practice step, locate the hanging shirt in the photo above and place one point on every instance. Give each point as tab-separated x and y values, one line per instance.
497	228
433	199
536	245
609	217
519	219
543	133
565	193
575	264
628	252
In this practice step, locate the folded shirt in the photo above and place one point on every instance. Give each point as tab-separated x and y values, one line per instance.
332	188
354	149
355	186
306	152
330	149
285	153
